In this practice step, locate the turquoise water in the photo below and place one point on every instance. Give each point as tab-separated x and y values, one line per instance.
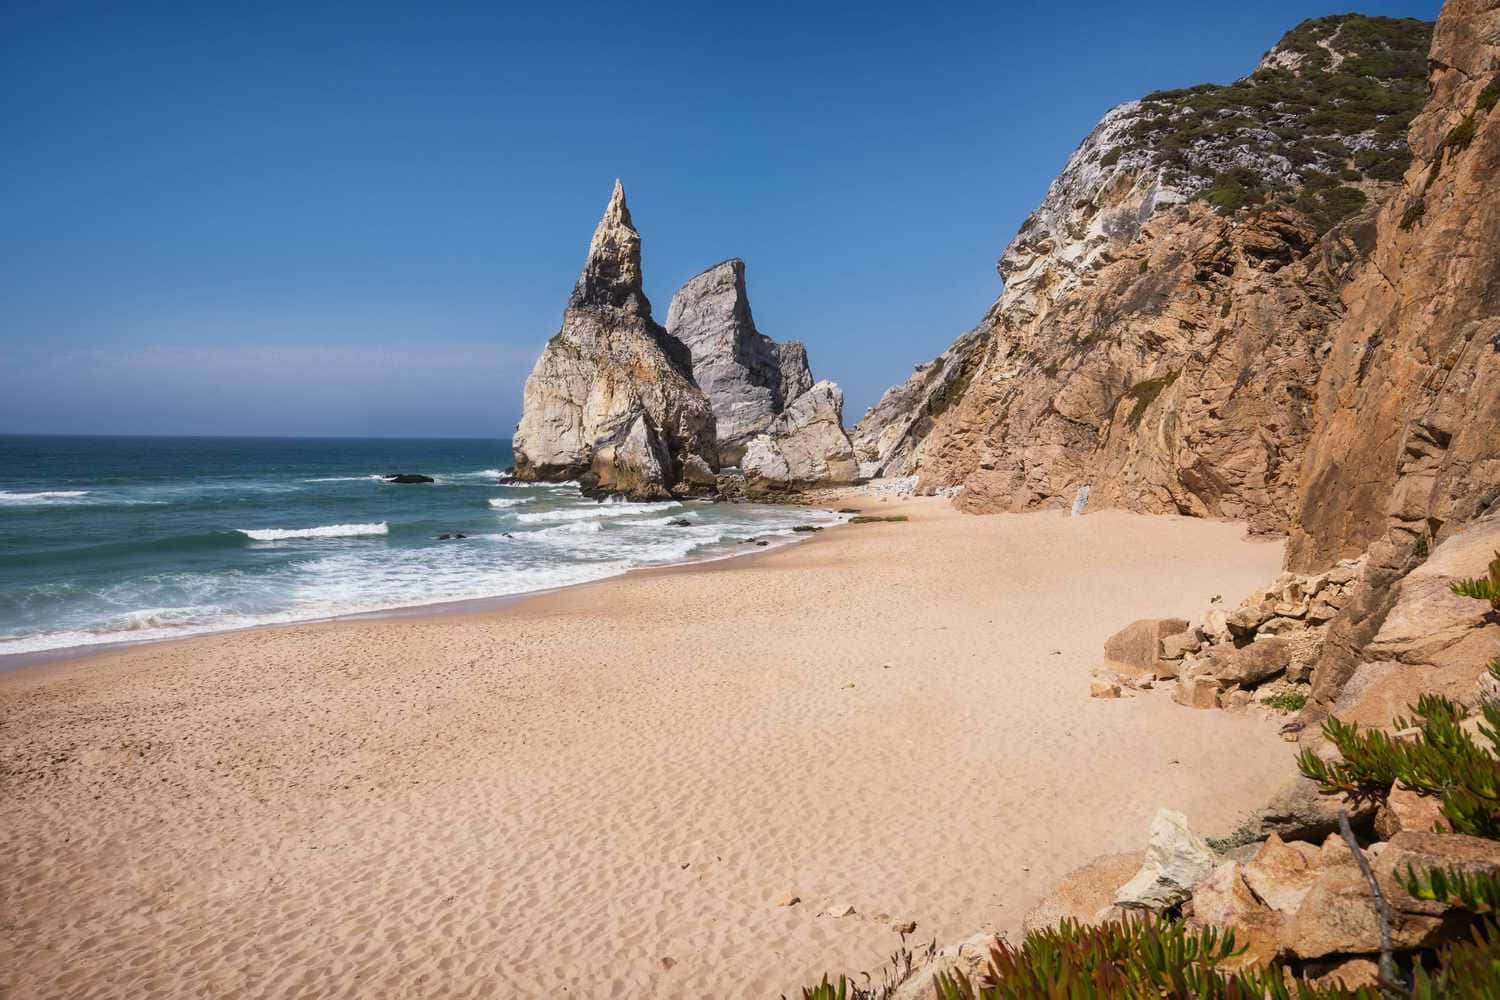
107	539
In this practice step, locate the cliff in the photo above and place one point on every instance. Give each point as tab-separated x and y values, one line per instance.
1166	309
611	401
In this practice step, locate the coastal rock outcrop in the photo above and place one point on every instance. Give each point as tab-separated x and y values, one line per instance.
1166	310
889	437
611	401
1403	446
805	447
748	377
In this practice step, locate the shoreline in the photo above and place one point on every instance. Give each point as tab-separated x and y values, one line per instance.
11	662
606	789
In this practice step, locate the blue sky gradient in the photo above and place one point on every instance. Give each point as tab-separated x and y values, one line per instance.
365	219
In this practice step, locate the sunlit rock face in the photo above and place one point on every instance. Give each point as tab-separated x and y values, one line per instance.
748	377
611	402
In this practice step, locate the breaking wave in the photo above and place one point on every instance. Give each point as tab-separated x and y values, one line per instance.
42	497
326	531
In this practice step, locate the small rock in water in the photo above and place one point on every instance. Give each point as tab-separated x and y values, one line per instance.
807	528
681	522
848	510
762	543
444	537
407	477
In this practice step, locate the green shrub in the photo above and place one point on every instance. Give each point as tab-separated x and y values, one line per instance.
1413	214
1327	206
1286	701
1137	957
1307	116
1461	136
1484	588
1443	760
1489	96
1110	158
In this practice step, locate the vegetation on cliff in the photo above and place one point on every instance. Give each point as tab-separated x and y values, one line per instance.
1327	108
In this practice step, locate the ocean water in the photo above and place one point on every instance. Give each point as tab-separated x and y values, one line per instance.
109	539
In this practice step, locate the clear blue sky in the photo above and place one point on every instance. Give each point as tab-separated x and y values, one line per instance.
365	219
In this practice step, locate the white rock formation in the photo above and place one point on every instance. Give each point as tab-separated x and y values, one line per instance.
805	447
611	401
1177	859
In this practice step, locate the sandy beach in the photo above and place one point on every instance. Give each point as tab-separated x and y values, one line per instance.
604	791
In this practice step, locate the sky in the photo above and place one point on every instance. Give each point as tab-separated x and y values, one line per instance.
365	219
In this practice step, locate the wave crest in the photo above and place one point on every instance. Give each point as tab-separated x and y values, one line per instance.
41	497
326	531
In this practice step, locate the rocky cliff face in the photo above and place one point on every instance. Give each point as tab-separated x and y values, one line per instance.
1408	406
1166	308
748	377
1406	455
889	438
611	401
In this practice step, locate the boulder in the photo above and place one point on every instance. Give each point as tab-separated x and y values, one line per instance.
804	448
408	478
1281	875
1405	809
1177	859
1353	973
1243	621
970	956
1175	647
1337	917
1085	891
1224	900
612	380
1257	662
1424	851
1136	650
748	377
1198	691
1298	811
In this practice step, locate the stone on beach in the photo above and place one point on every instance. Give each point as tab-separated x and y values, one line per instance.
1177	859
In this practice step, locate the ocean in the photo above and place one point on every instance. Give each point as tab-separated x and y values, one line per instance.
110	539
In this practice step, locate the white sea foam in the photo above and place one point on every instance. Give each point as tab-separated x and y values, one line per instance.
42	497
593	511
500	503
583	541
345	479
326	531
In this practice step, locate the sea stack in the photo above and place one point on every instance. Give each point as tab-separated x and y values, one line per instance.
748	377
611	401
